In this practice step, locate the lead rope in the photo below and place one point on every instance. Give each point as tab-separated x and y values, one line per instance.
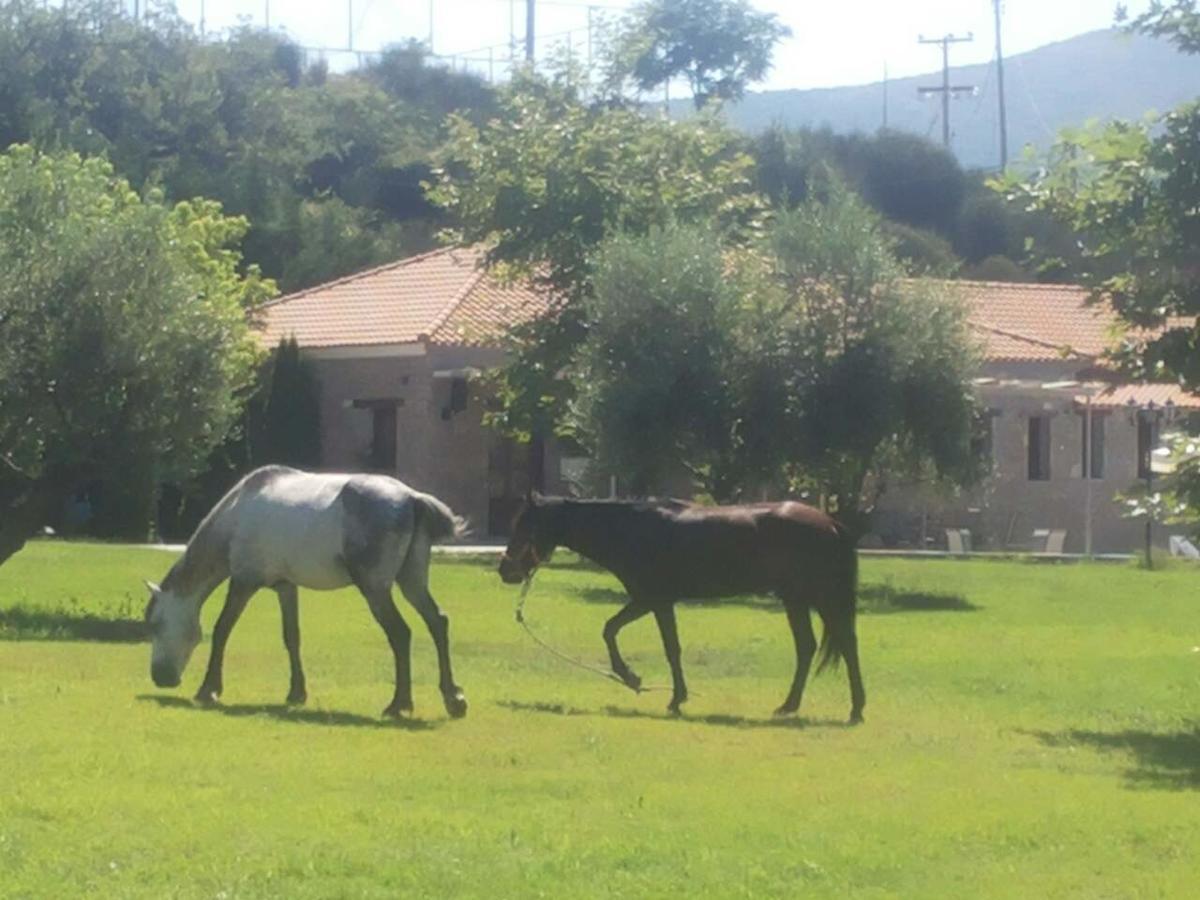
603	673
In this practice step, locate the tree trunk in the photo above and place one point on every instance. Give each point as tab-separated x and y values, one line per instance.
21	518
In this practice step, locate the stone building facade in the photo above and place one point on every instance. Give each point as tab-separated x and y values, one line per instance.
1043	377
396	351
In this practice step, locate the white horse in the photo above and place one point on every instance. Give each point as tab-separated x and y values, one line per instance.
282	528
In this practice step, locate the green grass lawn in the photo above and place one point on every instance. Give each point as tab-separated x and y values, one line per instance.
1031	731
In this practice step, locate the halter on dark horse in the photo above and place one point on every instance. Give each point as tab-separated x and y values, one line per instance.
671	551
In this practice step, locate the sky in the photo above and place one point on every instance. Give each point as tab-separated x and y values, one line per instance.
833	43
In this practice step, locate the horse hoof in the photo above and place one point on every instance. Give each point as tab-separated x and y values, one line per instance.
207	697
297	698
396	711
631	681
856	718
785	710
456	706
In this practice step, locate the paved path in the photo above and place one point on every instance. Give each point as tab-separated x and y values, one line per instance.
497	549
449	549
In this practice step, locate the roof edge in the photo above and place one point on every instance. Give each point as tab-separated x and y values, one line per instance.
354	276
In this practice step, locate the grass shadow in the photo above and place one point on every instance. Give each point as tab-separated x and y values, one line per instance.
717	719
884	599
294	714
1164	761
21	624
873	599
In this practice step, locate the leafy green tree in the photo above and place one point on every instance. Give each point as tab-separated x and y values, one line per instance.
882	365
1176	20
124	326
1130	192
654	399
550	178
805	363
719	46
242	121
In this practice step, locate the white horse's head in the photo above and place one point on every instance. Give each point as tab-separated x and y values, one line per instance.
174	625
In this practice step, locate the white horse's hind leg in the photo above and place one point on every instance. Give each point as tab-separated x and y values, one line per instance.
414	584
289	608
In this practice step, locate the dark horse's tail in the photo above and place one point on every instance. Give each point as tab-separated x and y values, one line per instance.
839	614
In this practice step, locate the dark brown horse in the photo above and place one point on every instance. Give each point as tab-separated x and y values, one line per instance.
664	552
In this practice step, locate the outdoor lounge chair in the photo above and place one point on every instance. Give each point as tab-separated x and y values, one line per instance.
958	541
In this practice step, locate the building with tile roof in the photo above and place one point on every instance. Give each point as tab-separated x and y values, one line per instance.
1047	386
395	348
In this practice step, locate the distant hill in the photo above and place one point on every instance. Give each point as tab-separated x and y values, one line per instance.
1102	74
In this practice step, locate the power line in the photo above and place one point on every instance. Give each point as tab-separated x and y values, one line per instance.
947	90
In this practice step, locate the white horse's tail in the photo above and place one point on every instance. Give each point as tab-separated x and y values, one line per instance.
438	519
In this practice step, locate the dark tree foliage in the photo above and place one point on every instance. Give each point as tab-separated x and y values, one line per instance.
903	176
327	168
289	431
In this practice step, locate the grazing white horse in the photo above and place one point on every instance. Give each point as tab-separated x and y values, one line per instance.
282	528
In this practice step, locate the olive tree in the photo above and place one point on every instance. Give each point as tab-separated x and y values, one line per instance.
124	336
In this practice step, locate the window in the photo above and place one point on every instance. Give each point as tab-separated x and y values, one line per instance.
1039	448
382	454
1097	445
383	438
1145	444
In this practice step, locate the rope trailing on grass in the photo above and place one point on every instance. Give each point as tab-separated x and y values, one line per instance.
578	663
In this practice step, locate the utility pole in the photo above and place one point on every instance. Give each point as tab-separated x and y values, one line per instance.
1000	91
430	27
590	11
529	11
349	24
947	90
885	96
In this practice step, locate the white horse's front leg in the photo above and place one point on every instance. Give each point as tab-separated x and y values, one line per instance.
235	601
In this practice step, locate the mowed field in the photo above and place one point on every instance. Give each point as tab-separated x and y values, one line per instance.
1031	730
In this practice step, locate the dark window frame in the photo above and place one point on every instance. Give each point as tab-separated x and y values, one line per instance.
1097	445
1038	436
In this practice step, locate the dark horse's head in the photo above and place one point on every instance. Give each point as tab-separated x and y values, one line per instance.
533	539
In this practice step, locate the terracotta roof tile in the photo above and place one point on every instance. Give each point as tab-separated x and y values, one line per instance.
1037	322
444	296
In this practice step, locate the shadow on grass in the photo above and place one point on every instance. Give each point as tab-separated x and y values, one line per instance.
882	599
21	624
873	599
295	714
1164	761
718	719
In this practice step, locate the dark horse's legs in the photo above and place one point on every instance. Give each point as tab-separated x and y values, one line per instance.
235	601
399	636
806	645
858	697
290	610
630	612
414	583
665	614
